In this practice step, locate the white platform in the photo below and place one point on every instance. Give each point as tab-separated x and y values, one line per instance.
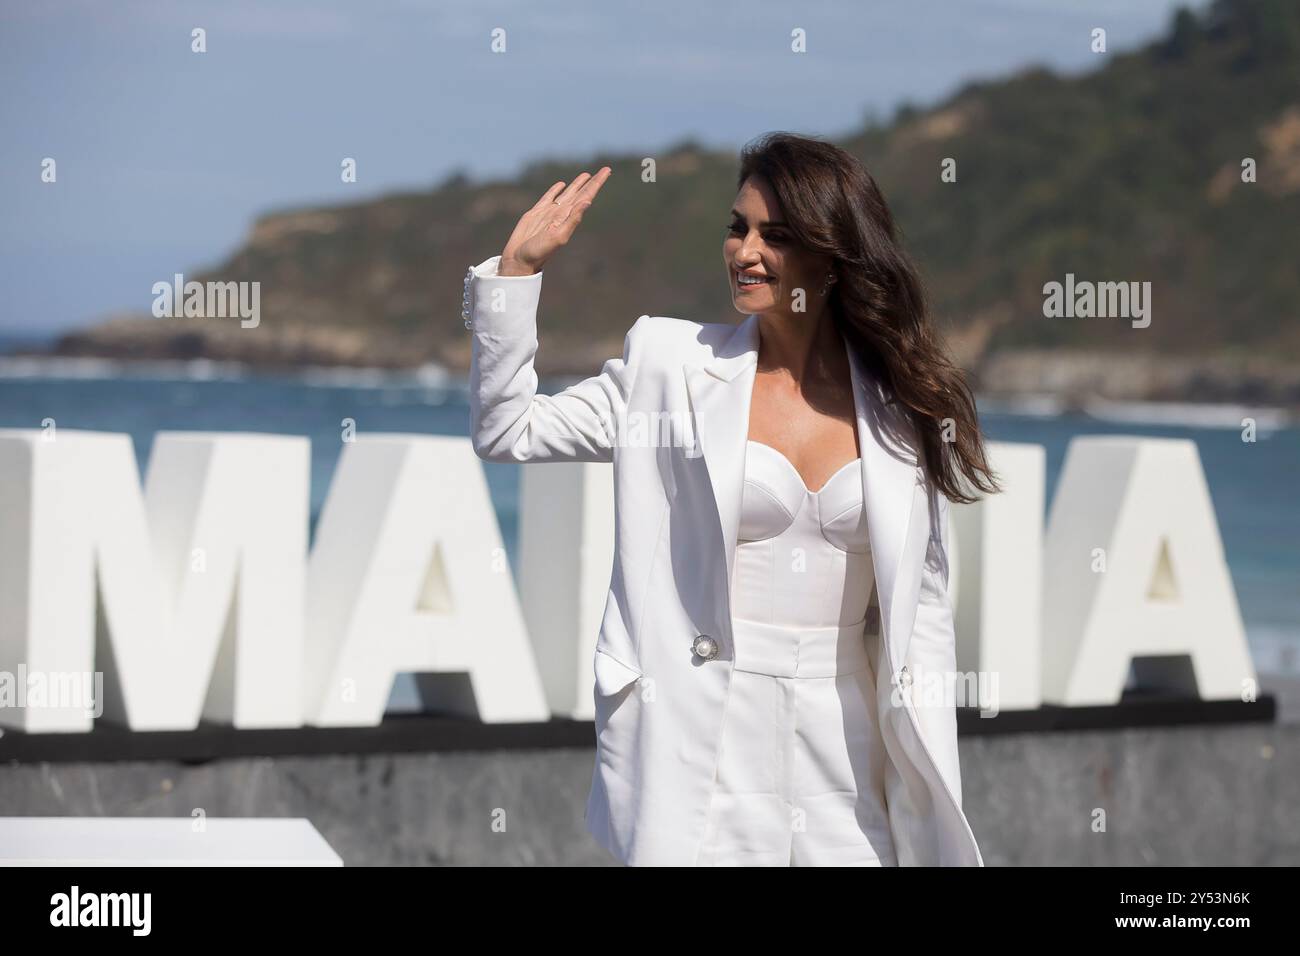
162	841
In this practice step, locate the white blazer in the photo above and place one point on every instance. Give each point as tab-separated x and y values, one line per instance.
677	493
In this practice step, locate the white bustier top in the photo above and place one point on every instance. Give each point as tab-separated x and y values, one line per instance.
803	558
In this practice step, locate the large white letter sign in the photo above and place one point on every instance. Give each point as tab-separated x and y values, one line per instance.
408	574
999	564
1135	567
199	579
566	555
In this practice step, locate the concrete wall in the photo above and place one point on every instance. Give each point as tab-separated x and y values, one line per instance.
1223	795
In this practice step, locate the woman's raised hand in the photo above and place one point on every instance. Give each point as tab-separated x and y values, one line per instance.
549	224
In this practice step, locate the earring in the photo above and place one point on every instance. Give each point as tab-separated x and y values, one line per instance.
830	279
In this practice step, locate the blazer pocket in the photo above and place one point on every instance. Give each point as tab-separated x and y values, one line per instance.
613	675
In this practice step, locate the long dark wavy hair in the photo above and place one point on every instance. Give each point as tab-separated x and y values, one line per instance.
833	207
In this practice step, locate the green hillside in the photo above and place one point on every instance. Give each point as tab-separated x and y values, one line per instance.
1131	172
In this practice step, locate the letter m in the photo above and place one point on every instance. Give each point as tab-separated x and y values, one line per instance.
188	594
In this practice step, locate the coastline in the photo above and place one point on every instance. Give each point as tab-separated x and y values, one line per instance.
1174	389
1136	389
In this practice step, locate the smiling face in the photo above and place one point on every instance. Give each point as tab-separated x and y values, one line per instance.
765	264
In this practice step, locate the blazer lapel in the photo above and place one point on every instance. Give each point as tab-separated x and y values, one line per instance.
720	393
890	474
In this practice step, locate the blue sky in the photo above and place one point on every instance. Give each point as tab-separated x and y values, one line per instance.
165	156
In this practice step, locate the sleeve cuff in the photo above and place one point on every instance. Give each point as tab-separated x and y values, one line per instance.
517	307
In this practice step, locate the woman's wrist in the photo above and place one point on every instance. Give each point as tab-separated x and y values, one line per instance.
512	267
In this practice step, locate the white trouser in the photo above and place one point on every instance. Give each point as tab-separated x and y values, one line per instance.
801	764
